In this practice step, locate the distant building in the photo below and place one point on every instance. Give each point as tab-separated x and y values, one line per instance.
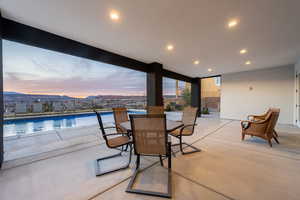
69	105
8	109
37	107
57	106
21	108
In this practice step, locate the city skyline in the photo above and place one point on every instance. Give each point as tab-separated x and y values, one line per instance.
33	70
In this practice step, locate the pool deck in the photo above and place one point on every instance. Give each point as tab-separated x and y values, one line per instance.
18	149
226	169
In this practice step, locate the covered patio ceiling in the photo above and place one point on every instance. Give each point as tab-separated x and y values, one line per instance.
198	30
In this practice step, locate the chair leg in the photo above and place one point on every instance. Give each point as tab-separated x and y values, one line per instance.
195	149
275	133
173	153
98	166
276	139
168	194
243	136
161	161
169	155
126	148
270	142
180	144
137	162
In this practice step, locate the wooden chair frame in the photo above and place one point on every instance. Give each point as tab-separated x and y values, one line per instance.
261	128
261	117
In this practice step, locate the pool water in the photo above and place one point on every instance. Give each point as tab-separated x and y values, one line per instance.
15	127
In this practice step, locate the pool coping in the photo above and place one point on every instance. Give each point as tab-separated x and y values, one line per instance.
62	114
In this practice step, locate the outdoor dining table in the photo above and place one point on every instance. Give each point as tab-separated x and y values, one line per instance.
170	124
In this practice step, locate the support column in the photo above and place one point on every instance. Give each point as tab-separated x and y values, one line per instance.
196	94
154	85
1	97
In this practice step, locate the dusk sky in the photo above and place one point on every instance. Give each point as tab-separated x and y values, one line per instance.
33	70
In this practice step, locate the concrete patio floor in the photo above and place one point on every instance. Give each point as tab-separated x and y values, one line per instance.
226	168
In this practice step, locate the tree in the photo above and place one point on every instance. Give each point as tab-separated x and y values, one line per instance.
186	95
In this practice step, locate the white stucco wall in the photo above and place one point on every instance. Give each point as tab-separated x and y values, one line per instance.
273	87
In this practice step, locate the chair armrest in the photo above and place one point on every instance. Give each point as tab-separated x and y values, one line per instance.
185	126
113	134
109	127
255	122
256	116
249	123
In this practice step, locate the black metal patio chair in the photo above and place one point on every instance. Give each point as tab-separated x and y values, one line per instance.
150	139
120	115
113	141
189	118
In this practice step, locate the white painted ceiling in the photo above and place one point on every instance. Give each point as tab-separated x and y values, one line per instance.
269	29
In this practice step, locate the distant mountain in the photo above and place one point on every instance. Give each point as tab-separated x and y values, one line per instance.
115	97
21	97
15	96
8	93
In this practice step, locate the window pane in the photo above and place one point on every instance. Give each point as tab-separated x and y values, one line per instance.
177	94
55	93
210	95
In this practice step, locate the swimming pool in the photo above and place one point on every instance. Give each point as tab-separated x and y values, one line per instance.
32	125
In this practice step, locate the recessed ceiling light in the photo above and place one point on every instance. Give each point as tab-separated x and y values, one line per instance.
243	51
114	15
170	47
248	62
196	62
232	23
209	69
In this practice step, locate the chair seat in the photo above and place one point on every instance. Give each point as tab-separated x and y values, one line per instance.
118	141
185	132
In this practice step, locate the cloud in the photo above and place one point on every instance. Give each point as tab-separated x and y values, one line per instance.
33	70
119	83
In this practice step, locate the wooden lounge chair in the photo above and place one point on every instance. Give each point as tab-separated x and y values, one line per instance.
263	128
261	117
113	141
120	115
189	122
150	139
155	110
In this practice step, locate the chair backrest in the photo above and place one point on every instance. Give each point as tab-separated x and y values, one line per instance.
273	118
101	125
149	134
120	115
189	116
155	110
268	111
